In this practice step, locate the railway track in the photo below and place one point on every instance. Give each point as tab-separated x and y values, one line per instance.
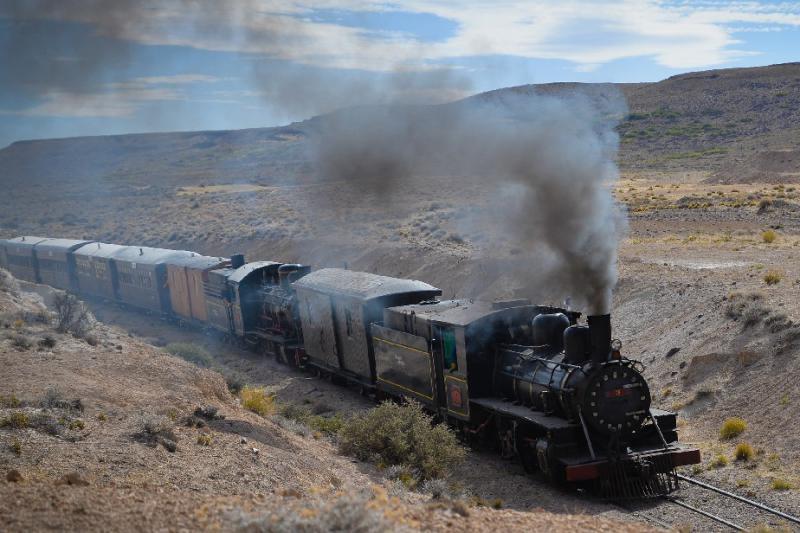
727	516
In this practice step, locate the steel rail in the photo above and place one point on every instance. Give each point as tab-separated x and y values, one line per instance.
735	496
714	517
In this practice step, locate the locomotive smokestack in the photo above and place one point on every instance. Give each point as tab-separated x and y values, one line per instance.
600	337
237	260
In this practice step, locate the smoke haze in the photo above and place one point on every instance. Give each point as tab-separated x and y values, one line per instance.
550	161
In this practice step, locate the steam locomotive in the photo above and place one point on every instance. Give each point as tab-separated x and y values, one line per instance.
558	395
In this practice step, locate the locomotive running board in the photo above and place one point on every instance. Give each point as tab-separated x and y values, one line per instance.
524	413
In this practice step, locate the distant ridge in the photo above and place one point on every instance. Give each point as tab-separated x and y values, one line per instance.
698	120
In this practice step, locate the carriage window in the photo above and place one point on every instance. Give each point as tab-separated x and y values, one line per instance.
348	320
449	350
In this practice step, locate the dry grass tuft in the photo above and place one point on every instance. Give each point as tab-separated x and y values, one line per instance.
719	462
16	420
256	399
732	427
773	277
744	452
769	236
781	484
204	439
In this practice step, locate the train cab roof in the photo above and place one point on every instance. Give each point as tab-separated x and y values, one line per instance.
266	268
362	285
463	312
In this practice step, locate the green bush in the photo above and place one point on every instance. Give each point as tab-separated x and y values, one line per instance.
404	434
191	352
732	427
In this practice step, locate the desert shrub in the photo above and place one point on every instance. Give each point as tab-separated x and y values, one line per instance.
402	435
772	277
257	400
157	429
190	352
16	420
778	322
744	452
719	461
292	425
8	283
235	381
54	399
47	423
48	341
16	446
9	401
329	425
748	306
359	512
743	483
72	316
204	439
151	424
21	342
764	204
732	427
768	236
781	484
77	424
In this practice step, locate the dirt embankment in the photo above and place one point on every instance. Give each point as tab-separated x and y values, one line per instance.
94	437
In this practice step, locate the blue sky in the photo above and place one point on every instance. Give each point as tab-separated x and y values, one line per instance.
68	69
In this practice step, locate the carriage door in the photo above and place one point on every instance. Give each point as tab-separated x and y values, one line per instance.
444	357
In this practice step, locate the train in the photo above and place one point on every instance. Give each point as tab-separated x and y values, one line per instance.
542	386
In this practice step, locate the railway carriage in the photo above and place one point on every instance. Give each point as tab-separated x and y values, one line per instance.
56	263
336	308
96	270
20	255
186	278
142	276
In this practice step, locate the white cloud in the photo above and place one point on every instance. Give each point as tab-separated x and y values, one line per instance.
110	104
679	34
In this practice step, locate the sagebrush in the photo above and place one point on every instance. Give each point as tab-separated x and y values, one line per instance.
402	434
72	316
